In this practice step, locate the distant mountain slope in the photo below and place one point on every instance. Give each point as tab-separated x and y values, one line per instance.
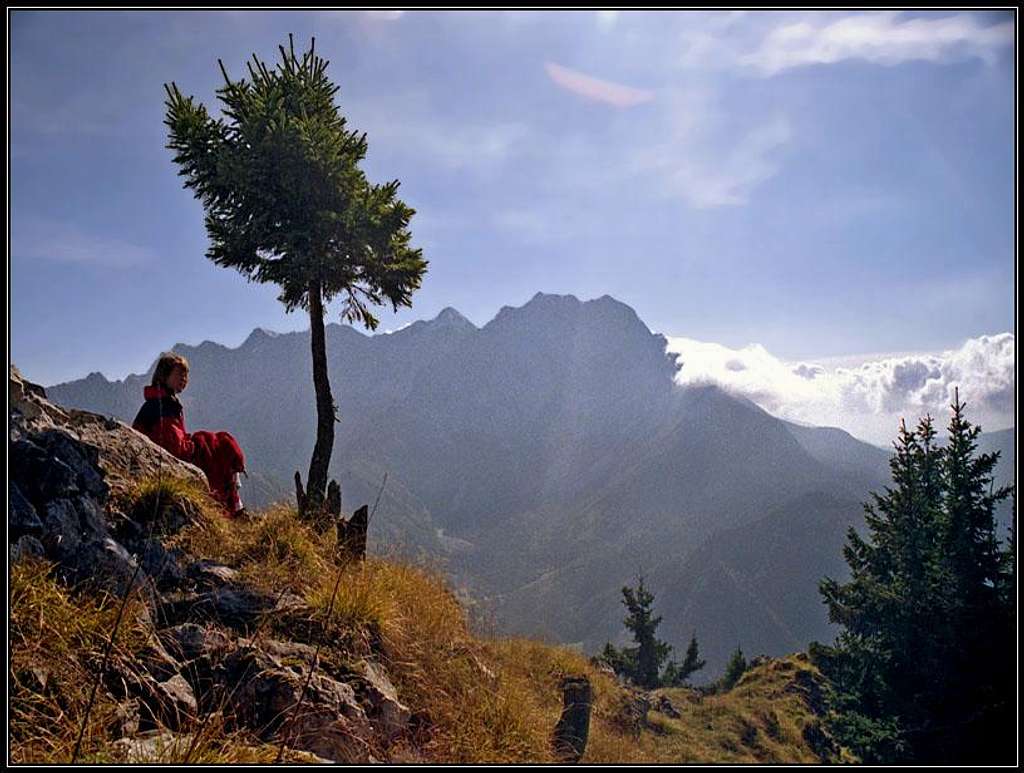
546	457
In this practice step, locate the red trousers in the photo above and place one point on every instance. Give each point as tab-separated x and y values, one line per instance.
219	456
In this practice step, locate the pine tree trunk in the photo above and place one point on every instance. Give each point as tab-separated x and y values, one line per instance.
316	483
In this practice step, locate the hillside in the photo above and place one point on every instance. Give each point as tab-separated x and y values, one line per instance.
546	457
212	662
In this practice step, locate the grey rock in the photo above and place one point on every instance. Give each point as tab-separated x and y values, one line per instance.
125	721
389	715
40	475
157	746
179	701
161	564
22	517
666	707
26	547
157	661
190	641
168	703
62	536
210	574
265	695
105	565
81	458
244	608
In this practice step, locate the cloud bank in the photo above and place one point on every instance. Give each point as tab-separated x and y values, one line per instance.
885	38
867	398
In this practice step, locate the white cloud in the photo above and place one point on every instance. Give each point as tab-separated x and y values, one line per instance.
43	239
607	20
704	161
384	15
883	38
865	398
595	89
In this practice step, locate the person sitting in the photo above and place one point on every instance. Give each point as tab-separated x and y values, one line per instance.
161	418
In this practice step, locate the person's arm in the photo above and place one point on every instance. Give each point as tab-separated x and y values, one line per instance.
175	439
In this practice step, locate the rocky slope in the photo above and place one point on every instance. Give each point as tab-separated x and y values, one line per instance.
71	474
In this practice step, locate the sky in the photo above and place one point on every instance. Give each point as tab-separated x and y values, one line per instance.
817	184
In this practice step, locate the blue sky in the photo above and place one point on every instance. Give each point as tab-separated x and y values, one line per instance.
820	184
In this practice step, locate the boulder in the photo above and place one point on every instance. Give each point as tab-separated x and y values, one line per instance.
168	703
389	715
264	695
242	609
110	456
22	518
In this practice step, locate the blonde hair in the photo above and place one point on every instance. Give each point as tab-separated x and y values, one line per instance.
165	367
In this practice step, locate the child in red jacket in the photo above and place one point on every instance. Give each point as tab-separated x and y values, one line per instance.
161	418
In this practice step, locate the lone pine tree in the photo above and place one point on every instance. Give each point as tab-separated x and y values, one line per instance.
286	202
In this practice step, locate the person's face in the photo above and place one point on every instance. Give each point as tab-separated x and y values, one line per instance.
178	379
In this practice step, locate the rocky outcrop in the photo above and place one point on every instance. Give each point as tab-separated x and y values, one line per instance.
208	652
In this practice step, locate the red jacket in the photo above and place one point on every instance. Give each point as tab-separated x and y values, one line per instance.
162	420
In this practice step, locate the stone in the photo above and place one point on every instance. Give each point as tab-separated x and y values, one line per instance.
179	700
245	608
153	747
125	721
22	518
161	565
103	564
29	409
665	707
389	715
209	574
81	458
157	661
26	547
190	641
168	703
265	696
39	475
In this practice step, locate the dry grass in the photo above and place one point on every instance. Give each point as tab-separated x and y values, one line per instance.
474	699
56	642
158	502
761	720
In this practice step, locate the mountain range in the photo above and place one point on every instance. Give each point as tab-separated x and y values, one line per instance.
547	458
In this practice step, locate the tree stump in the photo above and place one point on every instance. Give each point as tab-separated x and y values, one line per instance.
321	514
570	738
352	534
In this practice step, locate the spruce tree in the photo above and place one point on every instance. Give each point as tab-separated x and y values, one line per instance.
641	663
677	674
922	665
735	669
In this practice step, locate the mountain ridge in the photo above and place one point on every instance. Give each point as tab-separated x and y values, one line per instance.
550	447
